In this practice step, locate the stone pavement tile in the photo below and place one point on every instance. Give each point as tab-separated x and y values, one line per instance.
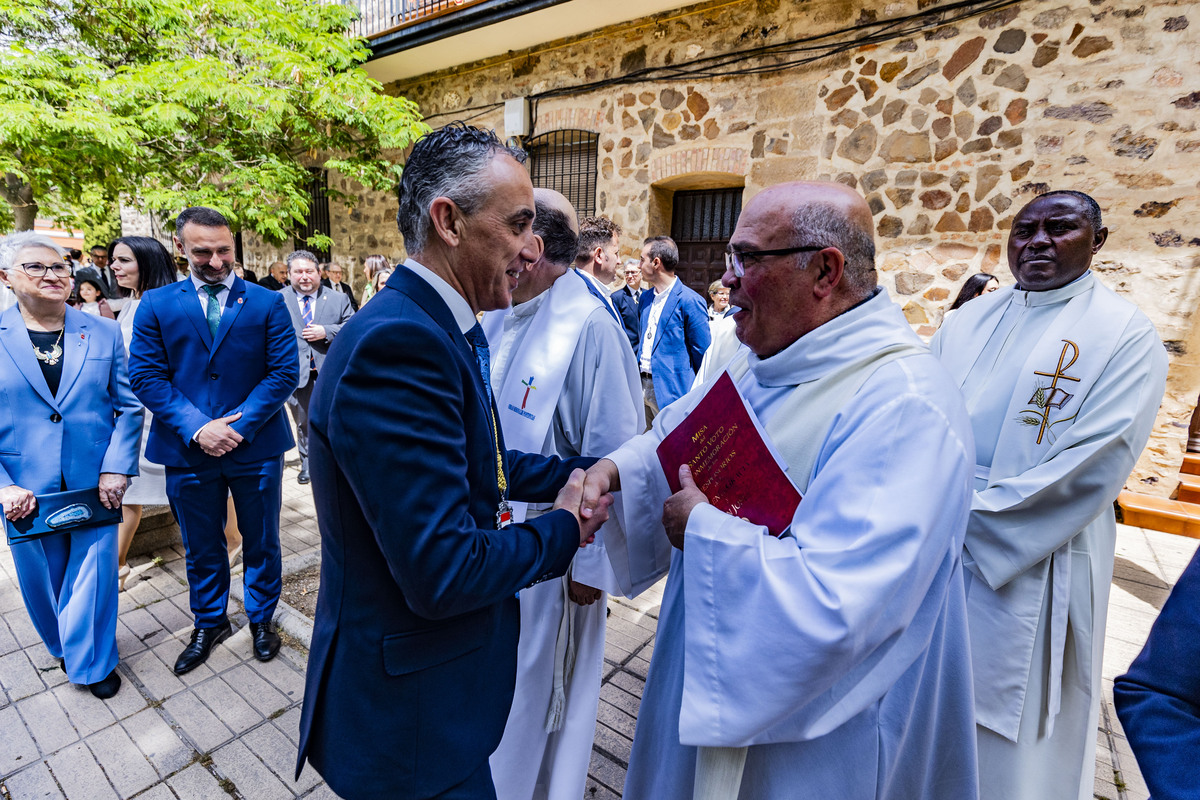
167	582
33	783
1106	790
169	615
19	749
255	690
129	700
279	754
322	792
630	683
144	626
638	666
249	775
47	722
87	713
594	790
19	677
159	792
140	594
199	724
612	744
122	761
289	723
8	642
237	715
618	697
158	742
1118	655
128	642
196	783
616	719
10	597
166	652
281	673
604	771
79	775
157	679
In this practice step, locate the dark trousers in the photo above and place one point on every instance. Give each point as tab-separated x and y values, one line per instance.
197	496
298	407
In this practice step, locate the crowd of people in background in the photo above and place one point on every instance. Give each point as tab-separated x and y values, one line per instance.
937	600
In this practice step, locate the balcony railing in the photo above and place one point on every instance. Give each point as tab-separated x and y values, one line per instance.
381	17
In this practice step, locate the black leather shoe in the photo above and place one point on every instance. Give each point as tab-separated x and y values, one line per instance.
302	478
107	687
266	640
203	641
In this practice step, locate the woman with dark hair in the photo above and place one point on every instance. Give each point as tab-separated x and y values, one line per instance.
974	286
139	264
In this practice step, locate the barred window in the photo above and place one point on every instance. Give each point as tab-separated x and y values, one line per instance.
566	162
317	220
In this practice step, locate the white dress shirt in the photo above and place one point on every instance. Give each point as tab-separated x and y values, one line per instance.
656	308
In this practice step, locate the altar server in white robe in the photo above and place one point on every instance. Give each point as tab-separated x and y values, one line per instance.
1062	379
566	384
836	655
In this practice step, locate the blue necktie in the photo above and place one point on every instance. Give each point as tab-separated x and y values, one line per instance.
306	313
213	310
479	344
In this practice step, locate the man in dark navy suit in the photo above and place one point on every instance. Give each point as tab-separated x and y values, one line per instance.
1158	699
413	658
214	359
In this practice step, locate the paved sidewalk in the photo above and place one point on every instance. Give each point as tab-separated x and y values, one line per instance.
228	729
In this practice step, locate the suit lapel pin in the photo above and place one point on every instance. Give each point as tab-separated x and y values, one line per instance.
241	300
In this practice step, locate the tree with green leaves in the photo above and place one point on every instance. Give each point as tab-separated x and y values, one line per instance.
224	103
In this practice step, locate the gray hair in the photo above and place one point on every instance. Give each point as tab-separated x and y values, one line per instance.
826	224
302	255
446	163
16	242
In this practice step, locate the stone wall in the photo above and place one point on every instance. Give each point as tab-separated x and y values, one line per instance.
947	132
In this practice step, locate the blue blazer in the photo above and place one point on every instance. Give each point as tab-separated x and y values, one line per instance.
1158	699
679	343
93	425
627	307
414	648
187	379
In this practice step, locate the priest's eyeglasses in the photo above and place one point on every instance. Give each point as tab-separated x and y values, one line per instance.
735	260
35	270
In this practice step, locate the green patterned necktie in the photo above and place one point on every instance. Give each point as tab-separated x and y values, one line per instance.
213	311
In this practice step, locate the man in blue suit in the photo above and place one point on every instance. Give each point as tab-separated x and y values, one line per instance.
214	359
414	648
674	330
1158	699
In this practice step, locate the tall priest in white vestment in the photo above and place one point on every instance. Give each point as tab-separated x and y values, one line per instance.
566	384
1063	380
837	655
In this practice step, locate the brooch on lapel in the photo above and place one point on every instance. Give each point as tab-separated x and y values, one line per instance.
241	300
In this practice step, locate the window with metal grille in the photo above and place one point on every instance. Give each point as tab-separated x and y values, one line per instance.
705	216
317	220
566	162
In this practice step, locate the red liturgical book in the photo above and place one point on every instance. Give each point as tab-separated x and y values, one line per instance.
730	460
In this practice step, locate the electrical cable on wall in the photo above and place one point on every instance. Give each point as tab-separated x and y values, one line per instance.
808	49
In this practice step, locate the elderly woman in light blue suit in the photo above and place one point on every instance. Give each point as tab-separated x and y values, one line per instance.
68	420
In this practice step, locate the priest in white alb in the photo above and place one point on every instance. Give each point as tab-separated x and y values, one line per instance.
1063	380
831	662
566	384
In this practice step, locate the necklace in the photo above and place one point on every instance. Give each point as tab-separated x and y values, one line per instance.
51	358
